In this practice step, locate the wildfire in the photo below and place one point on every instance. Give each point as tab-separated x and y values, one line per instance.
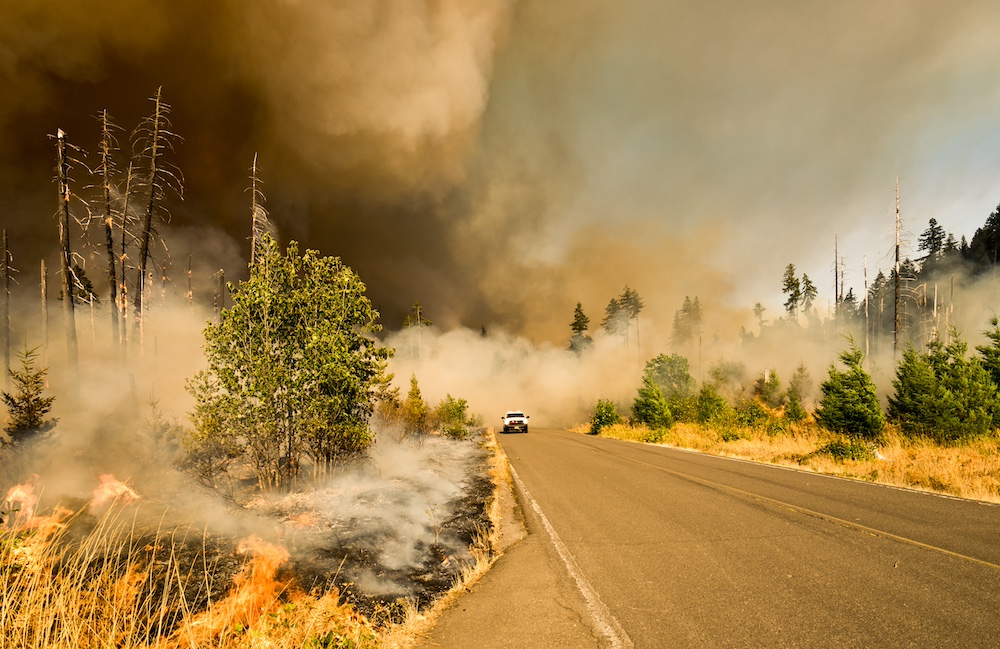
21	499
255	592
112	490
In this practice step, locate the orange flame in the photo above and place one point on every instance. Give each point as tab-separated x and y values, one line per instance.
255	592
111	489
22	499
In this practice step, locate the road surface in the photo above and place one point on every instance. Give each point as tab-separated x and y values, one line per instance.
668	548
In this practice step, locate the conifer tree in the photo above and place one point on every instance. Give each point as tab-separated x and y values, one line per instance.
415	409
26	406
580	340
943	394
850	403
799	388
793	289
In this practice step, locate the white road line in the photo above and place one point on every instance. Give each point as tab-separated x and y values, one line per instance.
605	622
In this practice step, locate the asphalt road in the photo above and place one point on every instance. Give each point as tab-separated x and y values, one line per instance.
676	549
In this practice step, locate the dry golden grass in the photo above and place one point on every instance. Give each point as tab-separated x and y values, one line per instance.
969	471
115	588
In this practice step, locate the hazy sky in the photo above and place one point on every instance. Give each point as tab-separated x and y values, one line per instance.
499	161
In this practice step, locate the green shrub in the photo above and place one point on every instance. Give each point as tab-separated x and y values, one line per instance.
452	417
767	388
849	448
751	413
650	407
605	414
710	404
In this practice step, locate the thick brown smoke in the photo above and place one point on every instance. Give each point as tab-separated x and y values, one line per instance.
500	161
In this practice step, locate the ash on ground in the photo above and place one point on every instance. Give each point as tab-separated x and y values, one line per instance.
398	527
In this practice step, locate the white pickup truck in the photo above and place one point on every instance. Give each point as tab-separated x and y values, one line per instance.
515	421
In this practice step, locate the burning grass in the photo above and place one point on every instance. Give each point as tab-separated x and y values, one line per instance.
101	573
968	471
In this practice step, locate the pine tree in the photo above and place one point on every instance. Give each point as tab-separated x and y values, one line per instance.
991	353
615	321
943	394
580	340
767	388
415	409
25	404
799	388
932	239
808	293
850	403
793	289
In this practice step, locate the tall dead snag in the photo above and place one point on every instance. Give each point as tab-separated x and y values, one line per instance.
896	301
155	133
64	249
123	258
105	171
45	315
260	224
5	310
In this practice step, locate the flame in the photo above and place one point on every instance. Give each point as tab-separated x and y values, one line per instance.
255	592
111	489
21	499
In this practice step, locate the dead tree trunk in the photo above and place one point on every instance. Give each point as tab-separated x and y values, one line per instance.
220	295
107	146
146	227
260	224
896	316
5	311
64	250
45	315
122	258
155	129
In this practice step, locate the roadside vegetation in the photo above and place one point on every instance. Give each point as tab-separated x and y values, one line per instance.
939	431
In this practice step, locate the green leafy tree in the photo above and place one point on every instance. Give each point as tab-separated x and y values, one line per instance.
580	340
850	404
452	416
293	367
673	376
650	407
26	405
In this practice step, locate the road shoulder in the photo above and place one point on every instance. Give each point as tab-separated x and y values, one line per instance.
526	599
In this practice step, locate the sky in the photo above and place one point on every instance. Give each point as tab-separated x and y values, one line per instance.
500	161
